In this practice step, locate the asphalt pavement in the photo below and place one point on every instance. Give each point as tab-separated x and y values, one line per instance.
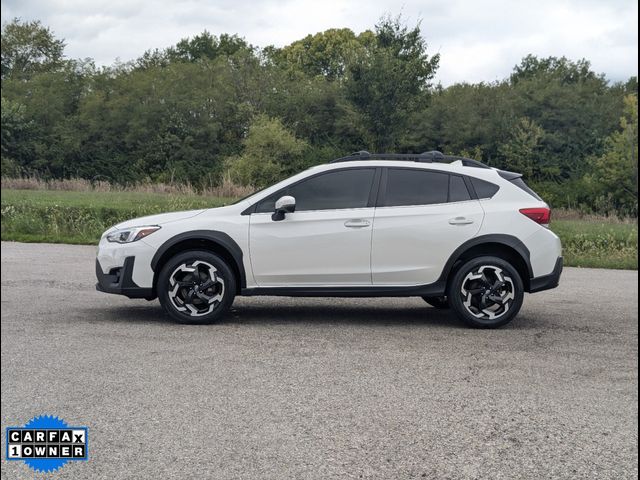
317	388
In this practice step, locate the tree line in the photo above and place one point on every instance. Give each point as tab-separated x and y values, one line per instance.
215	106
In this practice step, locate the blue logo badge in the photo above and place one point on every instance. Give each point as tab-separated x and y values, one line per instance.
46	443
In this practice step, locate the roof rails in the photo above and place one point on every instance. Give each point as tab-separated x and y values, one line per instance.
424	157
427	157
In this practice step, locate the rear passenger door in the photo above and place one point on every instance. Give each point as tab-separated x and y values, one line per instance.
421	218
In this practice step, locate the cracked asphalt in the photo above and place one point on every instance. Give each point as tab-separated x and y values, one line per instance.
322	388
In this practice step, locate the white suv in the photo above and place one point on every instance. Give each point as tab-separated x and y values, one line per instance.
450	230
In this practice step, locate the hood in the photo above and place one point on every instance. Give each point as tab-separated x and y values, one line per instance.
160	219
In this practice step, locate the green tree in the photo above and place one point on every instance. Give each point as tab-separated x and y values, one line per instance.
14	134
464	117
615	173
561	69
572	104
270	152
388	82
207	46
172	123
521	152
326	54
50	100
29	48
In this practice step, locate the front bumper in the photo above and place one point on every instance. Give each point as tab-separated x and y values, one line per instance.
119	281
547	282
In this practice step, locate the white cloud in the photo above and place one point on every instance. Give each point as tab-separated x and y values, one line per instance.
478	40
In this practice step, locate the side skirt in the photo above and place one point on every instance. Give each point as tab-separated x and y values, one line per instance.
431	290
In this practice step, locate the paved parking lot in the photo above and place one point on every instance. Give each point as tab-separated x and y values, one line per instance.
322	388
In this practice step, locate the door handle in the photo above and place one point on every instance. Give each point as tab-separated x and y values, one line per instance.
357	223
460	221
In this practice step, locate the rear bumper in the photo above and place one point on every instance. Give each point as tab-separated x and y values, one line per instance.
119	281
547	282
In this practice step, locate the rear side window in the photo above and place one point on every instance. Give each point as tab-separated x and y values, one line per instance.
415	187
458	189
331	190
484	189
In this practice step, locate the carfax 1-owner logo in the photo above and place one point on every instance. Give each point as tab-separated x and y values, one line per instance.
47	443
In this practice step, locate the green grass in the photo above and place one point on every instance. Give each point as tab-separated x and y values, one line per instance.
598	243
81	217
156	202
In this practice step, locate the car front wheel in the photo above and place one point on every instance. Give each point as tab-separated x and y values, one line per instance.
486	292
196	287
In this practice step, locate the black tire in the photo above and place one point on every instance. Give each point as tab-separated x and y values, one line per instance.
441	303
489	302
188	304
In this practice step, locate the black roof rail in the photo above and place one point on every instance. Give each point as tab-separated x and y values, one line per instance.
433	155
425	157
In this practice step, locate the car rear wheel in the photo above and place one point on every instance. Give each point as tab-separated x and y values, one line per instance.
196	287
486	292
440	303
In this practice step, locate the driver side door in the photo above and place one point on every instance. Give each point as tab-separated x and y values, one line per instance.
326	241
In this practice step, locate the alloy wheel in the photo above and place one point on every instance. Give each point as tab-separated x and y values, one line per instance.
196	288
487	293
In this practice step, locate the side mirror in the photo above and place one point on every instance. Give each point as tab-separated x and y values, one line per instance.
284	205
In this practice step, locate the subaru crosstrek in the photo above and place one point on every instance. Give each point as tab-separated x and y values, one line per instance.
451	230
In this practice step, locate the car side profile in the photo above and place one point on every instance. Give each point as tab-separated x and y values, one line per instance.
451	230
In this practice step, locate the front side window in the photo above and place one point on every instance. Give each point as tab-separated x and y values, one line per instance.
328	191
415	187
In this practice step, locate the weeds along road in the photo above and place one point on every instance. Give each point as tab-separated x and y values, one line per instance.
322	388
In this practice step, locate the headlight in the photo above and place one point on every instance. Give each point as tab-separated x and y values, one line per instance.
128	235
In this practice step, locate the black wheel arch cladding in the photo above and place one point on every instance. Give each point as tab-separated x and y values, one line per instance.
202	239
511	242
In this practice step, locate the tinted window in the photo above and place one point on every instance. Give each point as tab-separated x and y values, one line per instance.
415	187
458	189
484	189
333	190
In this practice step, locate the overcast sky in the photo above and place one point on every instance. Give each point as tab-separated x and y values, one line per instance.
478	40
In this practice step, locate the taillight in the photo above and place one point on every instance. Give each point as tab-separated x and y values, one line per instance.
538	215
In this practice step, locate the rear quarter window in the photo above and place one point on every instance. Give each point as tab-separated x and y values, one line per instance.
483	188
